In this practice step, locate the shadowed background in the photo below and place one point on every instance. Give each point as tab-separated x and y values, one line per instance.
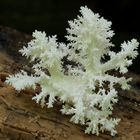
52	16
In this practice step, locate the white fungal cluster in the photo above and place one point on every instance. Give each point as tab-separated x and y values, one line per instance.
85	89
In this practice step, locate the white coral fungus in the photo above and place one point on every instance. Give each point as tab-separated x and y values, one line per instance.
84	86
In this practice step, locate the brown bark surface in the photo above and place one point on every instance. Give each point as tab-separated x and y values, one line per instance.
23	119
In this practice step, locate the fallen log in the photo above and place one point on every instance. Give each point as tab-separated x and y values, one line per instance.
23	119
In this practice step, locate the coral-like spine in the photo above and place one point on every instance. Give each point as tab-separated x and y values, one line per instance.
86	88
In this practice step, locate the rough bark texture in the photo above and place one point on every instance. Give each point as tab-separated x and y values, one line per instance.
22	119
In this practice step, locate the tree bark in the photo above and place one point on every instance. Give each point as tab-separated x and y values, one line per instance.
23	119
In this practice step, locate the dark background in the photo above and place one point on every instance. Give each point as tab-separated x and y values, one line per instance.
52	16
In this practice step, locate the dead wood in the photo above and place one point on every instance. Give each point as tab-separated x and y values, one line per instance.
23	119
